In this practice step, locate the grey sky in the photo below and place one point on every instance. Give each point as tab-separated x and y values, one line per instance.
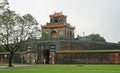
89	16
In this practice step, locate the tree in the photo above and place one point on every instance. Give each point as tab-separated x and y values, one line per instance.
7	36
26	24
14	30
3	5
118	42
36	33
96	37
45	36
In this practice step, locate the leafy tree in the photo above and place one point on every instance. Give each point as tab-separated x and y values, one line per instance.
96	37
118	42
3	5
26	24
7	33
36	33
14	30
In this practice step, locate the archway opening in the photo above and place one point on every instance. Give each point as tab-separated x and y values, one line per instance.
53	34
46	54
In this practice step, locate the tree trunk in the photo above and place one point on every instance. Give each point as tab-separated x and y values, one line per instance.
10	60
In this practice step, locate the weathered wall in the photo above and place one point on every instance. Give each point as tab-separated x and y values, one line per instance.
73	45
87	58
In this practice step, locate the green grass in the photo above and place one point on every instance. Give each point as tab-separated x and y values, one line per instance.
75	51
70	68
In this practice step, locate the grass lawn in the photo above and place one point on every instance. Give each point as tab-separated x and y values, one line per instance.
62	68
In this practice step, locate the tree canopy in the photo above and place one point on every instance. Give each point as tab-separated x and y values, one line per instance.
96	37
45	36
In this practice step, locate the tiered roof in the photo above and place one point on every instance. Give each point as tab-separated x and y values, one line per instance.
57	25
57	14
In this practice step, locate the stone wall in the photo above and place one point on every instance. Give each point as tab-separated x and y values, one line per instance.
87	58
68	45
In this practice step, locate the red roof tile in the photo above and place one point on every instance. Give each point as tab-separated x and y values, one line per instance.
57	15
56	26
52	25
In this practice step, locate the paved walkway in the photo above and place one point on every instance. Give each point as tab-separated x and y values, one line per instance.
6	66
2	67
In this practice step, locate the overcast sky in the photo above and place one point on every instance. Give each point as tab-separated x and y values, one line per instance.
89	16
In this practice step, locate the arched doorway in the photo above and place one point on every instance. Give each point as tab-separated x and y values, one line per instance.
53	34
46	54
